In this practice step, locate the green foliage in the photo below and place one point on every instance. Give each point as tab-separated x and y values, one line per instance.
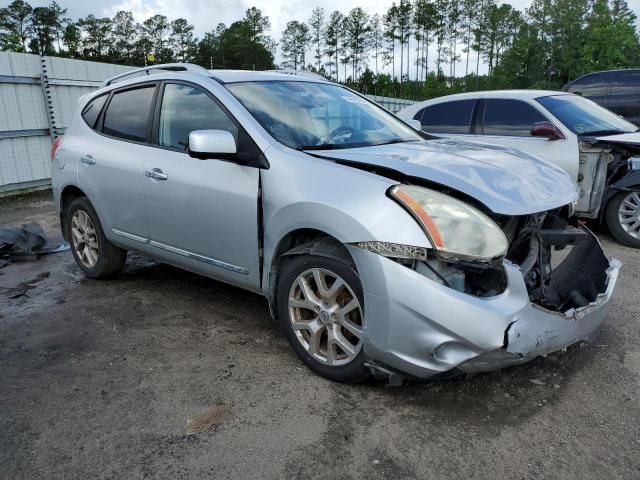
294	43
550	43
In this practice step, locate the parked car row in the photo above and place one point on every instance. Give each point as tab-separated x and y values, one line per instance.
598	149
382	250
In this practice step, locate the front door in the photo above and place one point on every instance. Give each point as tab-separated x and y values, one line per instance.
508	122
202	214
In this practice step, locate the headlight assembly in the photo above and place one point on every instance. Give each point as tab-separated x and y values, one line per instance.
455	229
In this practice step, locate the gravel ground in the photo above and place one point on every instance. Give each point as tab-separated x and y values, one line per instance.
98	379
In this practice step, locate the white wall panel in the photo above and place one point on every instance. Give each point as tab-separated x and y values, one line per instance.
25	160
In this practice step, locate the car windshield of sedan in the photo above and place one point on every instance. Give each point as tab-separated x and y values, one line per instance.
584	117
316	116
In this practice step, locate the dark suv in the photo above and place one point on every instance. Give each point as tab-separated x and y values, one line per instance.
617	90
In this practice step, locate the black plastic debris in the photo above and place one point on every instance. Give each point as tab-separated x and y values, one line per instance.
24	243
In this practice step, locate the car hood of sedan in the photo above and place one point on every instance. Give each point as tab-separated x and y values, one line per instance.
507	181
632	138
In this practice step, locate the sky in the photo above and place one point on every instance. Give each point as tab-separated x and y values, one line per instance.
206	14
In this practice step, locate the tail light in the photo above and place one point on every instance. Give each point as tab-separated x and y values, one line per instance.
54	148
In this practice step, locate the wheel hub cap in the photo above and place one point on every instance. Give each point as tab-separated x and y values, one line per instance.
84	238
629	214
326	316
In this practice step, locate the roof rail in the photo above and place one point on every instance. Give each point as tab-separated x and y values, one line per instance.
172	67
301	73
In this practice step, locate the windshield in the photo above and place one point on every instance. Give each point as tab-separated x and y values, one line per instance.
584	117
307	116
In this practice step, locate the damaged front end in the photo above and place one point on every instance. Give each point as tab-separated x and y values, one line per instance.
569	282
432	314
563	265
607	165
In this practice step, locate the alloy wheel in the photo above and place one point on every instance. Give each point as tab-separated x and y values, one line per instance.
326	317
84	238
629	214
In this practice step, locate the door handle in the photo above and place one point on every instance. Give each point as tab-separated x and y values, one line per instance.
88	159
156	174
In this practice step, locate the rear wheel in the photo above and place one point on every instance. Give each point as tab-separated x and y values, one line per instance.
320	308
94	254
623	218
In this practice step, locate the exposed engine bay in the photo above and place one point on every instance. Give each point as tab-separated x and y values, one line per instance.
562	263
603	162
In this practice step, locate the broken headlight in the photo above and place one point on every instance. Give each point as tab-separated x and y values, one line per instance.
455	229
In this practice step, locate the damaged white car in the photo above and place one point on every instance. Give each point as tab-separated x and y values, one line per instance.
599	150
380	249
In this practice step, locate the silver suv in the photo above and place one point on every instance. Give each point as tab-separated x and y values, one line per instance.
381	250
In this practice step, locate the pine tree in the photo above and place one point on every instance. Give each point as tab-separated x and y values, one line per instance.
295	40
316	25
333	34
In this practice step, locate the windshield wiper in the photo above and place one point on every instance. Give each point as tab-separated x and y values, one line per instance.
323	146
395	140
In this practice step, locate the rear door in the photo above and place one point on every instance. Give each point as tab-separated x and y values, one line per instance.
111	159
595	87
508	122
625	95
202	214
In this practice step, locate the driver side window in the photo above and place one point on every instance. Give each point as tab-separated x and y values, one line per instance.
185	109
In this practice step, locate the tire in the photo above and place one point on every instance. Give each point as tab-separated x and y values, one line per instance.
330	359
625	206
94	254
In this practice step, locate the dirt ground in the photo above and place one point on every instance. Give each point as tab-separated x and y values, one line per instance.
98	379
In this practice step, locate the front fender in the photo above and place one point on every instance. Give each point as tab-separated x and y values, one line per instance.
351	205
631	181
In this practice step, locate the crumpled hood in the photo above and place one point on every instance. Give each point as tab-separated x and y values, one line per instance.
507	181
626	138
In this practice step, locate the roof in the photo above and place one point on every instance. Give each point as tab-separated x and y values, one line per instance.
230	76
222	76
409	111
502	94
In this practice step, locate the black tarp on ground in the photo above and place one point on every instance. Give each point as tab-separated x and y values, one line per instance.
24	243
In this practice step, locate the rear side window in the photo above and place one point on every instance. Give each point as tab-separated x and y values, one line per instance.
93	109
449	117
127	115
511	118
591	85
626	83
185	109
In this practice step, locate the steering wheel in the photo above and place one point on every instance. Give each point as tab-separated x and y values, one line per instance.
340	131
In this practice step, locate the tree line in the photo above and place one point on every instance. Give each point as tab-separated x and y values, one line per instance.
416	49
48	31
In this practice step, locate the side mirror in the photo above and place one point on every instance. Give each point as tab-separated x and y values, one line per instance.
547	130
415	124
205	144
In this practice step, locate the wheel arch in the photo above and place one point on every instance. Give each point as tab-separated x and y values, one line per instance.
68	195
631	181
301	241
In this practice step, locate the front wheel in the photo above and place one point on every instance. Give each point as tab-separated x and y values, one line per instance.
623	218
320	309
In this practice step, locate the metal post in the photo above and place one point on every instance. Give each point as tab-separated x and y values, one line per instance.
48	99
